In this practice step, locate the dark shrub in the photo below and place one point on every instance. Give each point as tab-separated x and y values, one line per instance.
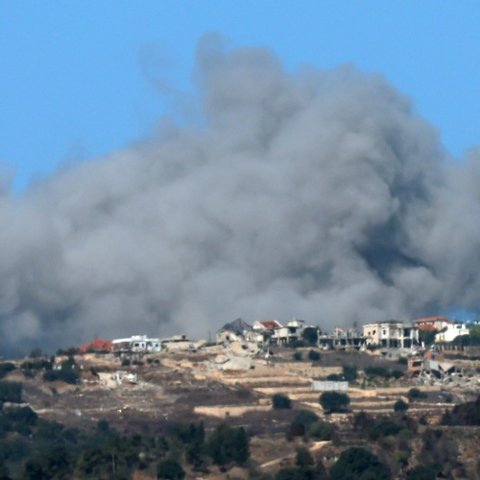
423	472
332	402
321	430
68	376
415	394
305	417
303	458
227	445
362	420
38	364
359	464
310	335
5	368
289	473
400	406
301	422
170	469
374	371
23	415
36	352
280	401
10	392
349	373
384	428
313	356
297	356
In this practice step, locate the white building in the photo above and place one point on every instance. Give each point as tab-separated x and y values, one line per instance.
136	344
391	334
264	330
451	332
289	333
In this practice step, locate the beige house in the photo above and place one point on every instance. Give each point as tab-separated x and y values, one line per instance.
391	334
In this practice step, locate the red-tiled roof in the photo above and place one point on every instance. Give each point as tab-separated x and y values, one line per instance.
96	345
432	320
270	324
428	327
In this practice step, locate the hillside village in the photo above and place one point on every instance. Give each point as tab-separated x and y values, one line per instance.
407	383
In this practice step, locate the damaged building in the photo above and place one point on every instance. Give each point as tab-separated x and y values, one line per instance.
136	344
235	331
391	334
342	339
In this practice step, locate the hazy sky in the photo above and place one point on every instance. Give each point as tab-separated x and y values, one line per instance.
79	79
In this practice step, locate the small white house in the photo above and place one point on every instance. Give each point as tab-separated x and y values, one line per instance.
289	333
451	332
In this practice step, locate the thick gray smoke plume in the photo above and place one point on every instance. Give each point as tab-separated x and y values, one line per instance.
321	195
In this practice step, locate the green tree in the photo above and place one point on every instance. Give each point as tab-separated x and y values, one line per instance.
374	371
10	392
321	430
297	356
349	373
290	473
241	451
34	470
384	427
4	473
67	375
5	368
301	422
304	458
195	456
313	356
36	352
423	472
227	445
427	337
361	421
280	402
170	469
400	406
333	402
310	335
415	394
359	464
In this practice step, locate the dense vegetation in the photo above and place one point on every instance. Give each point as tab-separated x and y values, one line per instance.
359	464
33	448
381	372
464	414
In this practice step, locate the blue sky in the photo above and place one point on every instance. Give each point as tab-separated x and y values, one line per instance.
75	76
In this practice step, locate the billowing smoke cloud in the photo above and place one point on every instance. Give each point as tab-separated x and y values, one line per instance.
320	194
